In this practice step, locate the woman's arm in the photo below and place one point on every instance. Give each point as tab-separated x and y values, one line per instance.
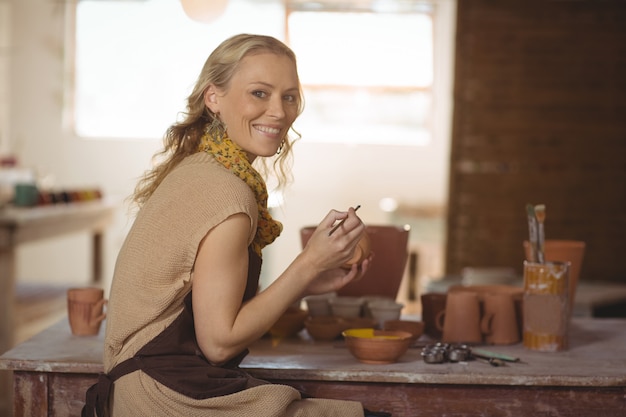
224	326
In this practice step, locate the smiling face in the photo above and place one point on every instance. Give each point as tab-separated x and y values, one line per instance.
260	103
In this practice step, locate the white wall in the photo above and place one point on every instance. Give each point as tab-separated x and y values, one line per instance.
325	176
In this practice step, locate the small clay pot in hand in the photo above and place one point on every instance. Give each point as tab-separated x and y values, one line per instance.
361	251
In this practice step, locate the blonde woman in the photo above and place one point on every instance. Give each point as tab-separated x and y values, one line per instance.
184	302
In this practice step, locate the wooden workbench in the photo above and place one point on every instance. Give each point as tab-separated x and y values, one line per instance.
21	225
53	370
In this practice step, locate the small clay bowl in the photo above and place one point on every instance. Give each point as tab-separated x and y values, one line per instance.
346	307
360	322
377	346
361	251
416	328
385	310
290	323
325	328
319	305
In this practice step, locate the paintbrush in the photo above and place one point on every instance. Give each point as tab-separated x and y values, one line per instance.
532	231
341	222
540	214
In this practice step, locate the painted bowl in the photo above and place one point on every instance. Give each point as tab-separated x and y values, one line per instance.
377	346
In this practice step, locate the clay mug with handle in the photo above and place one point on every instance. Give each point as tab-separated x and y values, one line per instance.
460	321
85	310
499	321
433	303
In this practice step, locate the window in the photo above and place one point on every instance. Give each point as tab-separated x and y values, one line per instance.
137	61
370	83
367	76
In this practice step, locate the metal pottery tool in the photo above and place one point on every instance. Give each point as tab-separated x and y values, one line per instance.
485	354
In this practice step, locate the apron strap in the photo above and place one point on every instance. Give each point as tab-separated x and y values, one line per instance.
98	394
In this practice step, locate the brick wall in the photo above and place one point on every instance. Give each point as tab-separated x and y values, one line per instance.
539	117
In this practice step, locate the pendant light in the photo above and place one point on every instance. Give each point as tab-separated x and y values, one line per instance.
204	11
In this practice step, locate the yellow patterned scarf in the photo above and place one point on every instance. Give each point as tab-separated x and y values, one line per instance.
234	159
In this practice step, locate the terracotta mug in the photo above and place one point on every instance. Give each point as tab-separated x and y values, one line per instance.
433	303
85	310
499	321
460	321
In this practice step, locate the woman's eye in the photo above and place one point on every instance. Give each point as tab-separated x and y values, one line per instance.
290	99
259	93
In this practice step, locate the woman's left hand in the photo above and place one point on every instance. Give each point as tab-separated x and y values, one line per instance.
334	279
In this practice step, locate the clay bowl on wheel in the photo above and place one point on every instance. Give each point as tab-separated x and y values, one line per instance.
290	323
377	346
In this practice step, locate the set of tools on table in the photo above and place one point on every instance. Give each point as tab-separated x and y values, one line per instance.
446	352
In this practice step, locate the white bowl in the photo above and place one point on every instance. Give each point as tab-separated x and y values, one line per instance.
346	307
384	310
374	298
319	305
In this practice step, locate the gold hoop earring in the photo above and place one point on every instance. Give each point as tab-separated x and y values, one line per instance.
216	128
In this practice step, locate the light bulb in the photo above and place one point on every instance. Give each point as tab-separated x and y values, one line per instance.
204	11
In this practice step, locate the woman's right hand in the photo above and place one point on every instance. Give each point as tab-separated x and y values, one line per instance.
326	252
333	280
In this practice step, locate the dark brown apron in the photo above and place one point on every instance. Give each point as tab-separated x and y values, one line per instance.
174	359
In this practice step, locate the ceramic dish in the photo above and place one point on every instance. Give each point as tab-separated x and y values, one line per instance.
377	346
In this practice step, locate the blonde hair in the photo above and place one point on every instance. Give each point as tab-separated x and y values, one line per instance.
183	138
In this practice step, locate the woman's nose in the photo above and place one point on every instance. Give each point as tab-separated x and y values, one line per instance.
276	108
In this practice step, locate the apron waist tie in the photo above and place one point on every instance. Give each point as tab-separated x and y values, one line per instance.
97	396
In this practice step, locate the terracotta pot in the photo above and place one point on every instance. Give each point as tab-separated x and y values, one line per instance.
325	328
361	251
389	245
377	346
